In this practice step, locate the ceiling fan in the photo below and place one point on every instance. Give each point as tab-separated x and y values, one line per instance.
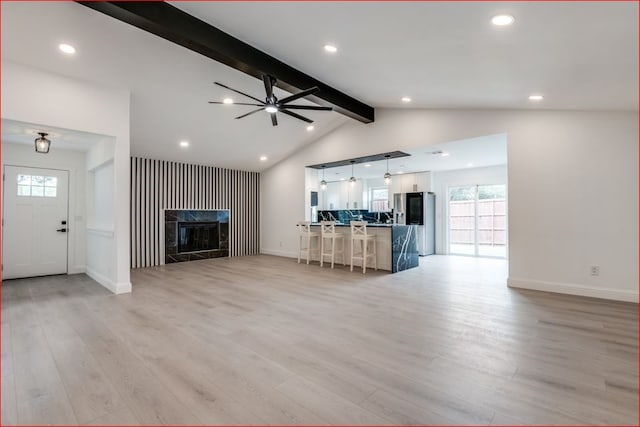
273	105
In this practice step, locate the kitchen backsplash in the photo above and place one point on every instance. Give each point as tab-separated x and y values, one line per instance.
345	216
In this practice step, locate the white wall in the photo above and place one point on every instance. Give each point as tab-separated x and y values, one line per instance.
582	164
74	162
35	96
445	179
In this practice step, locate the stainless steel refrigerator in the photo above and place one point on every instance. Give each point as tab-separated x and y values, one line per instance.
418	209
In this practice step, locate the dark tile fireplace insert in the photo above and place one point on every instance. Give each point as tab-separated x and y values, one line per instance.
198	236
195	234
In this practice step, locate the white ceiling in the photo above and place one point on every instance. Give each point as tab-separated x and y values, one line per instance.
580	55
17	132
490	150
170	86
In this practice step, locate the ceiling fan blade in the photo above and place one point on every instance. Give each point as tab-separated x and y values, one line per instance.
249	113
237	91
268	85
274	120
297	116
236	103
299	95
305	107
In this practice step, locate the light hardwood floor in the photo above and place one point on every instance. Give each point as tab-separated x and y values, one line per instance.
264	340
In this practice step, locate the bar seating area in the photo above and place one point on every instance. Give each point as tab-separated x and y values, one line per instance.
387	247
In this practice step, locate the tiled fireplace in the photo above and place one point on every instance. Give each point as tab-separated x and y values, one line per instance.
195	234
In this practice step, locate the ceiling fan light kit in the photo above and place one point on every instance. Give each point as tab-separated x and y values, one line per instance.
273	105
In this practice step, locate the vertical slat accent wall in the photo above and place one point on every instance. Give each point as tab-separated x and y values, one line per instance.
159	184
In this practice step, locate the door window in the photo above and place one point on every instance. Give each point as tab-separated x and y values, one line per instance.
37	186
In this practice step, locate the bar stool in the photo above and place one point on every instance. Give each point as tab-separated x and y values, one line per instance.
359	234
305	233
328	231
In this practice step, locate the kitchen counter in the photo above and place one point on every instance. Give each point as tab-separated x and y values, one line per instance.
397	247
338	224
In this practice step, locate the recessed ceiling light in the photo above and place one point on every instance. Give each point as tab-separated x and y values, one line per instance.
536	97
406	99
330	48
469	165
184	143
310	128
227	101
503	20
341	179
445	154
367	165
263	158
67	48
399	172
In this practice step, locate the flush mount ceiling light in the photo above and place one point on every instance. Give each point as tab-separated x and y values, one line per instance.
67	48
406	99
536	97
323	183
310	128
184	143
387	176
42	143
263	158
353	179
330	48
503	20
227	101
273	105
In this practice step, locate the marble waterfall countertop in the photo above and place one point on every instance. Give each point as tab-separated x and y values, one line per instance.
397	245
340	224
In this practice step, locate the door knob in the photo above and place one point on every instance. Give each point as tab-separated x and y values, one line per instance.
62	230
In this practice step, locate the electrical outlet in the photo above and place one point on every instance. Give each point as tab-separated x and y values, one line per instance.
594	270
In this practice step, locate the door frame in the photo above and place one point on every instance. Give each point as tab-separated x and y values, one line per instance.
69	230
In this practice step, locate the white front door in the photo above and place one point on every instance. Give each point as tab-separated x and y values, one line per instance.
34	233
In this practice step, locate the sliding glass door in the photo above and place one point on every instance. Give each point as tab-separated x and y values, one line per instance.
478	220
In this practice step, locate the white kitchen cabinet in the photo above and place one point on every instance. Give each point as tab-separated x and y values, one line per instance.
355	195
409	183
332	198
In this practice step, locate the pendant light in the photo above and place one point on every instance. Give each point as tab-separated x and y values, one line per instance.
352	180
42	143
387	176
323	183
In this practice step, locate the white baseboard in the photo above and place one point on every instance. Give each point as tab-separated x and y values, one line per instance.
116	288
282	253
123	288
573	289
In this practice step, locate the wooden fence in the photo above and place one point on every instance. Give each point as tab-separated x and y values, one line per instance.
492	222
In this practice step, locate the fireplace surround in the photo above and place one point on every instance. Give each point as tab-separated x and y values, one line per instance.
193	234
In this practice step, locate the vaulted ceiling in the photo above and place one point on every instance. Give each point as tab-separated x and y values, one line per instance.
581	56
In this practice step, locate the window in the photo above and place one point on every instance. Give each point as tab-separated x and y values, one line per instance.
37	186
379	199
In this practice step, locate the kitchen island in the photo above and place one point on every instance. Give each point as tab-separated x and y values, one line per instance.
397	248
